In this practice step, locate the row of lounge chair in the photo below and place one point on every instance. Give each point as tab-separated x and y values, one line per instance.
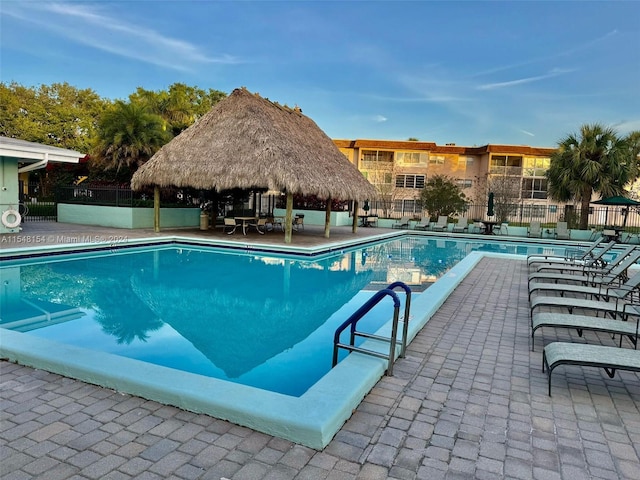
587	291
442	225
561	232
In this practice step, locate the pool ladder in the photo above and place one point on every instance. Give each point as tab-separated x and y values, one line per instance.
352	322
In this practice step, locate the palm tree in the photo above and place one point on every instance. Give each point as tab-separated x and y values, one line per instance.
128	135
597	160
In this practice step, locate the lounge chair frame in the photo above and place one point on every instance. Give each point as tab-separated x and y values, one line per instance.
615	270
570	255
585	322
586	355
597	260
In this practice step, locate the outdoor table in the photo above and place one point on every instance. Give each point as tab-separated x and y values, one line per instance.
488	226
616	233
245	222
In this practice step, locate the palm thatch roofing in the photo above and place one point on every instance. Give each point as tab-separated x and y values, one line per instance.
248	142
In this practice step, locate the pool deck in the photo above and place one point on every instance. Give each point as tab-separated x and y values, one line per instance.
468	401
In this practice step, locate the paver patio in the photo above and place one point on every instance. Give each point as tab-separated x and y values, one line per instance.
468	401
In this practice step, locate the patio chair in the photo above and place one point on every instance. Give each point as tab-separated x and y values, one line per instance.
562	231
501	229
423	224
260	225
534	230
441	225
372	221
462	225
478	227
402	223
298	222
230	226
277	223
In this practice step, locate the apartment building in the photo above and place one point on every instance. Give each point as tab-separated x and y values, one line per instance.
400	169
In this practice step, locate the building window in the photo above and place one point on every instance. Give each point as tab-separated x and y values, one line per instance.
436	159
534	188
505	165
464	162
378	178
411	158
535	167
464	182
410	181
377	156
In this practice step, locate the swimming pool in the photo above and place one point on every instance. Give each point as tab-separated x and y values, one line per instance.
154	300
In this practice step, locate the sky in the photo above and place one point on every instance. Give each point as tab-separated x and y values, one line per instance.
463	72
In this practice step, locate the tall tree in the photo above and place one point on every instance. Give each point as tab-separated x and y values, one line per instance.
59	114
180	106
596	160
506	194
441	196
128	135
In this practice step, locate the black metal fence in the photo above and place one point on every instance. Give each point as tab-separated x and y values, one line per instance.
112	196
519	214
35	211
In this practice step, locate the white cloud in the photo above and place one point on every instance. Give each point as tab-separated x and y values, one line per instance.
553	73
97	29
379	118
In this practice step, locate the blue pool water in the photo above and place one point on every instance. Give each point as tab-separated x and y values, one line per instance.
261	320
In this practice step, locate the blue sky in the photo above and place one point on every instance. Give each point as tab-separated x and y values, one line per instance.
470	73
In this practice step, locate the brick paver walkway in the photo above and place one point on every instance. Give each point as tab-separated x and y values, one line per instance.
468	402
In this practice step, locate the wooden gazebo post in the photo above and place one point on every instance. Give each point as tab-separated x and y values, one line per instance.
156	209
287	218
327	218
354	224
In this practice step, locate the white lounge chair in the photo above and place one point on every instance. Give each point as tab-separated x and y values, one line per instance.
423	224
462	225
534	230
562	231
402	223
442	224
501	229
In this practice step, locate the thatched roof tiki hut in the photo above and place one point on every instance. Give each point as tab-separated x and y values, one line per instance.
248	142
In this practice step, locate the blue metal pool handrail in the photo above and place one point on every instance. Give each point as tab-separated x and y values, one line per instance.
352	322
